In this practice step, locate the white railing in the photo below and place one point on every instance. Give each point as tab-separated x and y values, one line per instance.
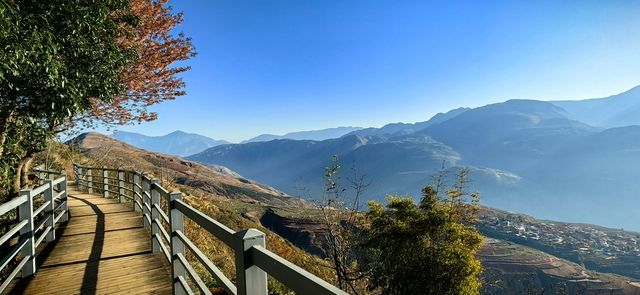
33	226
161	209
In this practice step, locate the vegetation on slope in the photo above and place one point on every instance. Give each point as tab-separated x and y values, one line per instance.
224	205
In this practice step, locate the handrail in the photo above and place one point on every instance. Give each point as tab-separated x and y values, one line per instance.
252	260
31	235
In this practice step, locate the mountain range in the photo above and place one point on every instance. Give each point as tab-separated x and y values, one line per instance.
323	134
565	160
509	256
613	111
177	143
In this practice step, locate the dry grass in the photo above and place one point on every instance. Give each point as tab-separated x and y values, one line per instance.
214	198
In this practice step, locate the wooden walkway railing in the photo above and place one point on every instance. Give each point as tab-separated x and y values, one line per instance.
33	226
161	209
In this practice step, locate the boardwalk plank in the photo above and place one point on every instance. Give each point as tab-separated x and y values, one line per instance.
103	249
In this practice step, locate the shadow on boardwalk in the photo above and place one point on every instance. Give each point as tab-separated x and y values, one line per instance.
103	249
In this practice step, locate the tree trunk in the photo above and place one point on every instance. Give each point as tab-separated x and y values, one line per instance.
15	182
26	168
21	176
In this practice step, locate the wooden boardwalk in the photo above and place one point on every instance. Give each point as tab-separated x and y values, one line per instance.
103	249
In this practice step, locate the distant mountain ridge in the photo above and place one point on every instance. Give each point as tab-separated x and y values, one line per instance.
614	111
322	134
528	156
395	129
178	143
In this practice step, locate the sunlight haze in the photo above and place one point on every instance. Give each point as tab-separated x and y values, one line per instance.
277	67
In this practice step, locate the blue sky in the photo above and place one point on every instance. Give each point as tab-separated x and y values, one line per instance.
280	66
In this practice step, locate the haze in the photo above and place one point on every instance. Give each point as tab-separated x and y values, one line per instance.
277	67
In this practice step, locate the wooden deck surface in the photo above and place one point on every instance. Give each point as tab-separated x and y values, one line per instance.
103	249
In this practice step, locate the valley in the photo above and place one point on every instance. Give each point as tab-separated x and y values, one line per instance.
520	253
523	156
513	264
597	248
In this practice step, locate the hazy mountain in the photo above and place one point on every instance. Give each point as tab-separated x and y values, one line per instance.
323	134
596	176
399	165
614	111
395	129
509	135
525	155
177	143
284	162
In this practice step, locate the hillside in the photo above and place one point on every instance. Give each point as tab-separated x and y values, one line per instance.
217	180
177	143
508	262
512	265
286	164
597	248
235	202
515	269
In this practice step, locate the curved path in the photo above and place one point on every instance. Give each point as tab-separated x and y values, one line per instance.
103	249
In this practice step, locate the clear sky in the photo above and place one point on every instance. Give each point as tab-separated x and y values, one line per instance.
274	66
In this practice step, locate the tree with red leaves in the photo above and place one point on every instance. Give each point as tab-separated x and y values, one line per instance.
154	76
81	64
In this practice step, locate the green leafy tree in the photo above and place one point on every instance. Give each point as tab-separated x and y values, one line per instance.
425	248
67	63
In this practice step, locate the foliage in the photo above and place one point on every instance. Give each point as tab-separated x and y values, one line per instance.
341	219
56	56
426	248
222	255
81	63
153	78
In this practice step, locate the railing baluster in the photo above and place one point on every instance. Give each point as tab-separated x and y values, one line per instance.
89	181
136	191
78	173
176	219
105	182
25	211
49	212
248	246
155	216
63	198
145	201
121	185
251	279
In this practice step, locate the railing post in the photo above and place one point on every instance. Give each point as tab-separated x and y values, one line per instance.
63	198
48	212
25	211
145	201
121	185
78	172
105	182
155	216
251	280
136	191
89	181
176	219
